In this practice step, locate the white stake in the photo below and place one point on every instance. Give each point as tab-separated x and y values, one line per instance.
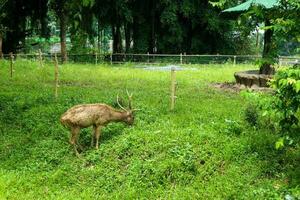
173	87
56	76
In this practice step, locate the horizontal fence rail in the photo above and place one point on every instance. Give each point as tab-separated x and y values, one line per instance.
96	58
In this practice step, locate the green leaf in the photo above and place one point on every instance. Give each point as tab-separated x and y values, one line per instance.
297	86
265	113
279	144
282	82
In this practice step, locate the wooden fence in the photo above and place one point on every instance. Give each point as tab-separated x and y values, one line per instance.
152	58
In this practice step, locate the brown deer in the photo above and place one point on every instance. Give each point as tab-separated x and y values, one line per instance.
96	115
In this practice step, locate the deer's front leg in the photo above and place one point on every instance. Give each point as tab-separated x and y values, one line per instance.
97	135
74	136
93	135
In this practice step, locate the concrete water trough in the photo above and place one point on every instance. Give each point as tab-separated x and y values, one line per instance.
252	78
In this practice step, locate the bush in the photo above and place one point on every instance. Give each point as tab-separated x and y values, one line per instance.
287	97
279	111
251	115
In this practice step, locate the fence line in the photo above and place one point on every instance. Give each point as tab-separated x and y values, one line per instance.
148	58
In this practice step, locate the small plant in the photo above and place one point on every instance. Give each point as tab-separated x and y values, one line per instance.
233	127
251	115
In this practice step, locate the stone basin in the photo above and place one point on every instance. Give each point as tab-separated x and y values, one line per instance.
252	78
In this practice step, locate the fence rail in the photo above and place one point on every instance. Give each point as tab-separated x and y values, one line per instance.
153	58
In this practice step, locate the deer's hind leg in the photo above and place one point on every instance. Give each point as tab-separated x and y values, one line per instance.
74	137
97	131
93	135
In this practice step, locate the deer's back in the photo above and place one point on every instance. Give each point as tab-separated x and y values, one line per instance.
86	115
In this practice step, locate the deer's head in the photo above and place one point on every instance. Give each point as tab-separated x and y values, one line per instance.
129	112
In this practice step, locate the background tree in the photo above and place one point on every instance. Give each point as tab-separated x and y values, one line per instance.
61	9
3	29
279	18
155	26
21	19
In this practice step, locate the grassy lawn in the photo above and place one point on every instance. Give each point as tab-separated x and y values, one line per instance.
204	149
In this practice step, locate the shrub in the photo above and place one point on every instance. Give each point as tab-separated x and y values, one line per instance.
287	97
251	115
279	110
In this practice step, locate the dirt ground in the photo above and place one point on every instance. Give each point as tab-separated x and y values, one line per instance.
233	87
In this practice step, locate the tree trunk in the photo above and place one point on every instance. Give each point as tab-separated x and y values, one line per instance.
113	31
135	35
266	67
188	38
257	38
127	30
152	38
99	37
267	40
117	45
1	39
63	32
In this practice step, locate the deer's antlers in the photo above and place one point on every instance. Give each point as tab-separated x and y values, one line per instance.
129	99
120	104
129	102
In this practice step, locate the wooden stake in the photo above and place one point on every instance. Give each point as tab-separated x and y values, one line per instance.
41	58
96	58
56	76
11	64
180	58
173	88
280	61
111	58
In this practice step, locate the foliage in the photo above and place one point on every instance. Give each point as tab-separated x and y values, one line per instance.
29	17
279	111
281	21
287	97
251	115
145	26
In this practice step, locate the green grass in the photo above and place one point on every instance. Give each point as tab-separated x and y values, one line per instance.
201	150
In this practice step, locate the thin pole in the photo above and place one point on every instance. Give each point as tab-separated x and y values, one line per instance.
180	58
234	60
56	76
11	64
280	61
41	58
173	87
111	59
96	58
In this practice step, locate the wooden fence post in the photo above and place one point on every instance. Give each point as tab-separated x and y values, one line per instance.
11	64
41	58
280	61
234	60
56	76
173	87
96	58
111	58
180	58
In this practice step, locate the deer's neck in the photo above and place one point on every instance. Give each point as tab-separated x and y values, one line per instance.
118	116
